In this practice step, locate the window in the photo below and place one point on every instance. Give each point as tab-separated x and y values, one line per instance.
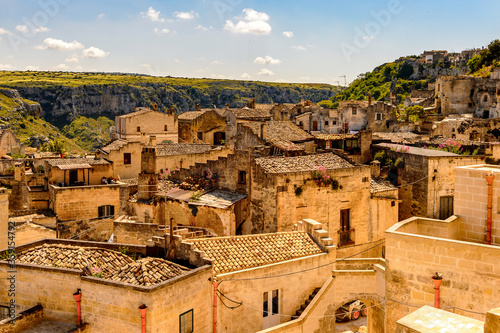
393	203
242	177
4	312
334	122
378	116
138	128
354	110
186	322
270	308
165	128
453	130
485	99
346	234
315	125
106	211
301	124
326	123
200	135
445	207
127	158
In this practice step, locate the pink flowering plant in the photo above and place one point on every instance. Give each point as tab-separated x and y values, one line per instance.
209	174
97	272
320	177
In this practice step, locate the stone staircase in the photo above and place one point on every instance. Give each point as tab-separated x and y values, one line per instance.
305	304
320	235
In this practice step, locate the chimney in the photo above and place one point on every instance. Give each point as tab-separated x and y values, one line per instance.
302	102
152	140
171	111
369	98
375	169
251	103
198	107
227	106
143	138
262	130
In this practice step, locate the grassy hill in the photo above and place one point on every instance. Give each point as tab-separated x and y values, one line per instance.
89	133
14	116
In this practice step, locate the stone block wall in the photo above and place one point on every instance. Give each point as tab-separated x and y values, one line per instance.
471	202
82	202
471	274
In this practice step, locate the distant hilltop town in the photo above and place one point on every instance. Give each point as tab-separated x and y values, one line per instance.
261	217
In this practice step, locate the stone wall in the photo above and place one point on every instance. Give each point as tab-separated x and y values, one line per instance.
470	274
173	162
94	175
135	232
107	304
82	202
151	124
97	230
208	123
471	202
293	290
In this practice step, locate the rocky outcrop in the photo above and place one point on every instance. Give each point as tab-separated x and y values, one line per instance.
22	106
62	104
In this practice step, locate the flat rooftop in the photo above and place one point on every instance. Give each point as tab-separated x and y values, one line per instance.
416	150
431	320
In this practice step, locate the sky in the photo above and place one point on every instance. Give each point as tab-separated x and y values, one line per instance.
308	41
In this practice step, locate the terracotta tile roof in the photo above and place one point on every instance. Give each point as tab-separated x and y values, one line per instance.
235	253
136	113
405	137
286	145
333	137
281	130
247	113
191	115
168	149
381	185
115	266
113	145
72	161
302	163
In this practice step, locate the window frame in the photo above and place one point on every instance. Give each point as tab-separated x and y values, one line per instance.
7	309
102	210
242	177
354	110
138	129
192	322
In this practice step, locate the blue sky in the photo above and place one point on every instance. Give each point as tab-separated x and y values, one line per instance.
280	41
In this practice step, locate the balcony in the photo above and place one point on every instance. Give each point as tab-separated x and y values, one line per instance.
346	237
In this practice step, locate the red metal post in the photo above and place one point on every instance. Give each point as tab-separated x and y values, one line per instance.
143	308
215	306
78	299
437	279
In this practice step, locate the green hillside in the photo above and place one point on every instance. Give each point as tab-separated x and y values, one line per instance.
89	133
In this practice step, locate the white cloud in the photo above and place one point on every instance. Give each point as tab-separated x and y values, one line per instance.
57	44
153	15
161	31
25	30
282	80
252	22
287	34
267	60
4	32
265	72
100	16
219	76
94	52
61	67
245	76
5	66
200	27
72	59
368	37
298	47
177	61
32	68
186	15
217	62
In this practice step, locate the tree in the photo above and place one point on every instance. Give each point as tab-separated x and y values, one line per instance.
413	113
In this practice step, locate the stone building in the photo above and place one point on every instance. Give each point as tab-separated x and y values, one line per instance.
466	127
252	112
113	288
146	122
425	178
467	94
4	218
203	126
9	143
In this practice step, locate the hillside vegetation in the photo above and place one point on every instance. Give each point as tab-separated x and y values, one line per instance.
89	133
30	128
483	63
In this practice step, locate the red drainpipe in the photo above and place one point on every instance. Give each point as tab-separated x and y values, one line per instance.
78	299
437	279
143	308
489	179
215	306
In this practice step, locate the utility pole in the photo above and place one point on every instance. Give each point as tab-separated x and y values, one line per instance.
345	80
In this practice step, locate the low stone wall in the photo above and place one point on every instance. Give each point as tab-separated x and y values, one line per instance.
98	230
135	233
23	320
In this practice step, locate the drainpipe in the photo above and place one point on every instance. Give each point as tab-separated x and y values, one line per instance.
215	305
143	308
437	279
78	299
489	179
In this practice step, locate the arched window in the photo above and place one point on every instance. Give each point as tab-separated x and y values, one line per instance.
485	98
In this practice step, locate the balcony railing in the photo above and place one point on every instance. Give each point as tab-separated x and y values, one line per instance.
346	237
